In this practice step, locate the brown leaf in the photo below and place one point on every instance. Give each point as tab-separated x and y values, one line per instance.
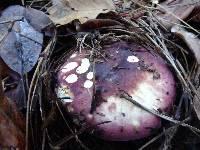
12	125
64	11
195	15
193	43
171	10
7	71
10	135
15	93
190	39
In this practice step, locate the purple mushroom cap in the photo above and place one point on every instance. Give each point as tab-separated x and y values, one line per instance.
90	90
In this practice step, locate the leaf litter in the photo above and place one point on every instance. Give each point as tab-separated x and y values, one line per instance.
65	11
22	42
170	12
157	37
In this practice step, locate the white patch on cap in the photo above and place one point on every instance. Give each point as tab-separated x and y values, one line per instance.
88	84
73	55
65	100
136	123
133	59
72	78
70	66
85	64
90	75
132	113
151	95
64	95
155	1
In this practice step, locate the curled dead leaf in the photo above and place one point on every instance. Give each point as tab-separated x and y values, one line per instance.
170	12
10	135
195	15
15	91
7	71
193	42
12	85
12	125
64	11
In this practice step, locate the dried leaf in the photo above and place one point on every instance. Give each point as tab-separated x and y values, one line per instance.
64	11
10	135
10	109
195	15
7	71
35	18
38	19
171	10
21	43
16	93
12	125
190	39
12	85
193	43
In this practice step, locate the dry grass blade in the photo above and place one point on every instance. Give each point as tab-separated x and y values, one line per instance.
161	45
160	135
191	40
154	112
185	23
181	73
72	132
33	85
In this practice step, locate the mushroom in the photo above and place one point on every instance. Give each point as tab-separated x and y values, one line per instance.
90	91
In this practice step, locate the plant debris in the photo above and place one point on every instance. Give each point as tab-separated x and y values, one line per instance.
38	36
21	43
64	11
171	12
12	124
193	42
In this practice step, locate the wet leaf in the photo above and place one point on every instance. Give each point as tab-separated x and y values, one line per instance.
170	11
64	11
20	37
